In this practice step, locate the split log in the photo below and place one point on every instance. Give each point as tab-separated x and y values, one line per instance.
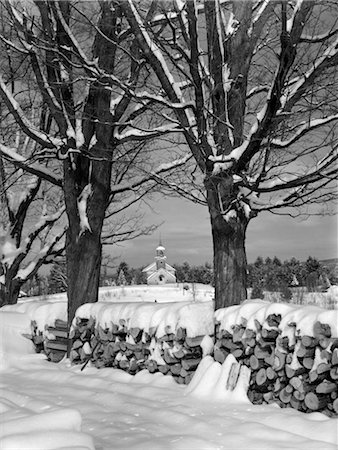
326	387
315	402
220	354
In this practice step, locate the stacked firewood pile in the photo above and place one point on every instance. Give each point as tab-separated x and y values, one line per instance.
286	368
168	349
52	341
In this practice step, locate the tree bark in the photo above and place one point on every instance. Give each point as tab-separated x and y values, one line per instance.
84	248
228	226
9	292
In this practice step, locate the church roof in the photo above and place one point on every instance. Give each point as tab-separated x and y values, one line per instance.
152	266
160	247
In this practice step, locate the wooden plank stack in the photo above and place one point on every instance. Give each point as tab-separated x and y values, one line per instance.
134	349
294	371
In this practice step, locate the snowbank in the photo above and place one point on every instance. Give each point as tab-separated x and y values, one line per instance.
13	345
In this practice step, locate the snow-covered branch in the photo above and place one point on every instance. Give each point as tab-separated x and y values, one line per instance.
30	130
303	129
26	164
161	169
50	249
172	89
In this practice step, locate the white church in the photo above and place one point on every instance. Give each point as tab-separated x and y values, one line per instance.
160	272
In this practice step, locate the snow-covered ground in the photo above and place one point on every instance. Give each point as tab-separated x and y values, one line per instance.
57	406
144	293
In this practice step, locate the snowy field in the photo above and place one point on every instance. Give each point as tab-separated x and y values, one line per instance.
144	293
51	406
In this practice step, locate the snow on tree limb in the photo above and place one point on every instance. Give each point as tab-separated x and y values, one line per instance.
294	93
48	250
154	55
26	164
162	168
37	135
82	208
303	128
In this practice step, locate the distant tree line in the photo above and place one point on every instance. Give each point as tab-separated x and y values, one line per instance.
269	274
274	276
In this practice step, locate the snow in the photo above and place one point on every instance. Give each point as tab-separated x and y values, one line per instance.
196	318
252	311
57	406
82	208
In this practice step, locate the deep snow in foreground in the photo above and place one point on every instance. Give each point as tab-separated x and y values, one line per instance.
56	406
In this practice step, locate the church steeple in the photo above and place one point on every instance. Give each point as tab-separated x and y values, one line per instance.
160	257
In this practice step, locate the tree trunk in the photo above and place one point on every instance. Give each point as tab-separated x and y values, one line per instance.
83	247
9	292
228	226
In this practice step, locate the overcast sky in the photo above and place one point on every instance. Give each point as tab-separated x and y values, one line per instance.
186	235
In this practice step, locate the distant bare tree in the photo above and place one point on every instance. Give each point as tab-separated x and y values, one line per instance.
253	86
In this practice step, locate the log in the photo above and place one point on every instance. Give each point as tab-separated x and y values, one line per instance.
298	395
295	403
151	366
334	373
261	378
270	359
168	358
175	369
326	387
193	341
136	333
220	354
261	353
238	353
268	397
309	341
308	363
57	345
335	406
238	334
269	335
322	368
270	373
190	364
279	360
315	402
273	320
255	397
188	378
321	329
294	372
285	396
63	333
181	334
296	382
305	352
334	357
255	363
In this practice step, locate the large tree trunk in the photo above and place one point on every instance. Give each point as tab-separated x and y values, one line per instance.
84	248
228	226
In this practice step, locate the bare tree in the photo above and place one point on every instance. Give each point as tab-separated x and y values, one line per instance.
91	89
253	86
29	237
